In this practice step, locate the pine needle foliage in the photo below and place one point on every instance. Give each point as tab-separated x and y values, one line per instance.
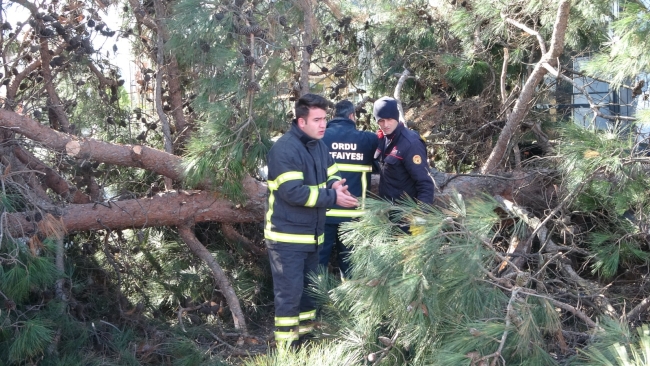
238	88
323	354
430	291
606	173
31	339
26	272
617	346
624	56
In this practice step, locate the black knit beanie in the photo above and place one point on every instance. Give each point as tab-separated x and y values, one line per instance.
385	107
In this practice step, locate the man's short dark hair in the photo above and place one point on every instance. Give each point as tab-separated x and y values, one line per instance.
307	102
343	109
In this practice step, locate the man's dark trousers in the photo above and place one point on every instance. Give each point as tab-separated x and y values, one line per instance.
333	241
291	270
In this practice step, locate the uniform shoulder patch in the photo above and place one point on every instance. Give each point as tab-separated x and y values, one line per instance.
417	159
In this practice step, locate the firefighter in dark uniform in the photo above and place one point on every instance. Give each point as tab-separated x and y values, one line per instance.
402	157
302	181
353	151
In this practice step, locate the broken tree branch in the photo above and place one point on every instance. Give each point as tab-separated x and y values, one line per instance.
398	90
187	234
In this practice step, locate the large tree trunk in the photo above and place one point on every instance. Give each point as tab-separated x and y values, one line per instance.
165	209
137	156
523	104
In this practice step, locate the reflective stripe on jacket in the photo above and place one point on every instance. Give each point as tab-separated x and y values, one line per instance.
300	176
353	151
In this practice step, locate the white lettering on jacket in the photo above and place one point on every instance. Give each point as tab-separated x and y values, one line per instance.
346	155
343	146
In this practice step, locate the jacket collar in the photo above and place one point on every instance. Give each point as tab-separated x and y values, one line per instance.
397	133
301	135
340	121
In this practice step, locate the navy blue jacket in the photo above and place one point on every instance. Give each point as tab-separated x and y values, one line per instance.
404	167
300	176
353	151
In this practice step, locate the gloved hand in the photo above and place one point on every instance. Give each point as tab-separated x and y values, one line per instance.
417	226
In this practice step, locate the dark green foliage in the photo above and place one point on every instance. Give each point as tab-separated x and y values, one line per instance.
31	337
467	79
27	273
430	290
609	180
238	95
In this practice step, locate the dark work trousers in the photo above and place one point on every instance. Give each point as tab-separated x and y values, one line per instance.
331	241
295	310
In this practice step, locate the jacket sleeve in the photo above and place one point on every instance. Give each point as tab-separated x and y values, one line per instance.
373	141
287	178
415	162
376	154
333	174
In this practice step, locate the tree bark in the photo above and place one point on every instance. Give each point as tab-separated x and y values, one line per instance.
307	8
160	44
165	209
53	179
187	233
523	104
137	156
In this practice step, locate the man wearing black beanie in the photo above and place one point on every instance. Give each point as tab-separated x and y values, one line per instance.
402	157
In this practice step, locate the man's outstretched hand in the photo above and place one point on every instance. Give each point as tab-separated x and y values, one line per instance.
343	197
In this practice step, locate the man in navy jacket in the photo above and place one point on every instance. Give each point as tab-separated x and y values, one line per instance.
402	157
353	151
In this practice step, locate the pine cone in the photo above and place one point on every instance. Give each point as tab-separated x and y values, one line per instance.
522	279
253	29
253	86
249	60
638	88
204	46
309	49
245	51
315	42
282	20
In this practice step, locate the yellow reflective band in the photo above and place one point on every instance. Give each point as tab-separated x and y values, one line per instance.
290	238
334	177
321	239
332	169
305	329
358	168
322	185
345	213
287	321
286	336
364	187
313	196
284	177
308	315
269	213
